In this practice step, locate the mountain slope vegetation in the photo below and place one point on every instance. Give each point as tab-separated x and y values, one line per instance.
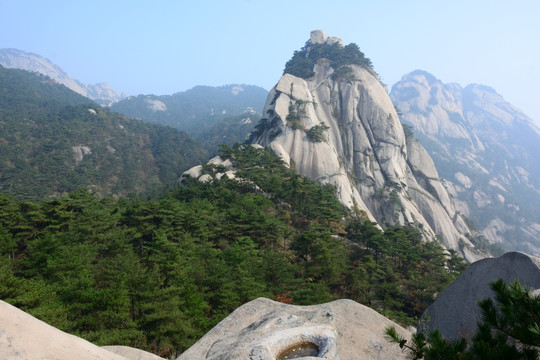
157	274
53	141
206	113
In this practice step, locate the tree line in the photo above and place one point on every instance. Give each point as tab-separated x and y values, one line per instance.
159	272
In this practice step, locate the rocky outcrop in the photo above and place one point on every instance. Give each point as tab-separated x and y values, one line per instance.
266	330
132	353
23	337
360	147
455	311
80	152
18	59
485	149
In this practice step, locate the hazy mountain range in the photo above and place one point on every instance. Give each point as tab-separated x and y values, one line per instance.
53	141
486	150
483	148
18	59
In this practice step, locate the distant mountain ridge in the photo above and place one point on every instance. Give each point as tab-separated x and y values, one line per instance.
211	115
18	59
199	106
486	150
53	140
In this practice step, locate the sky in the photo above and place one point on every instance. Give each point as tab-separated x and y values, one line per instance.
163	47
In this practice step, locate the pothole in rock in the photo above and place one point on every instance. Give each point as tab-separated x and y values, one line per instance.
298	351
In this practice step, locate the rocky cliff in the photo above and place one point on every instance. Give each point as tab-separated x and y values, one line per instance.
338	125
486	150
18	59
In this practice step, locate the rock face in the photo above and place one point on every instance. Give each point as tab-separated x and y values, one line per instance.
132	353
18	59
361	148
23	337
455	311
264	330
485	149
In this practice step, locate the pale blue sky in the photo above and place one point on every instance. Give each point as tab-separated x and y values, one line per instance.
163	47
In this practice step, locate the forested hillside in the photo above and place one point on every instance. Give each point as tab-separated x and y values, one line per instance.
53	141
158	274
210	115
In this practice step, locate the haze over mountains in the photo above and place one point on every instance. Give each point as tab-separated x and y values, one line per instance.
486	150
483	148
18	59
331	197
53	141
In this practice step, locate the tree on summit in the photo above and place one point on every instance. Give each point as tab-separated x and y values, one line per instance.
303	60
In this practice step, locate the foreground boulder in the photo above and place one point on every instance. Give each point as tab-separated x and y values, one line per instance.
132	353
23	337
267	330
455	311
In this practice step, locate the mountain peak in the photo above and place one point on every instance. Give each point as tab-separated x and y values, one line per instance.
485	148
344	130
19	59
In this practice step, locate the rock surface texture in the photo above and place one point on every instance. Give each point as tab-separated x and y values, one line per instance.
23	337
18	59
485	149
132	353
363	149
264	329
455	311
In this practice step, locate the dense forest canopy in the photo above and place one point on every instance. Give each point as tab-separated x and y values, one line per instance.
303	60
157	274
43	125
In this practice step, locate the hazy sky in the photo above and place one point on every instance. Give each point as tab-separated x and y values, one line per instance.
163	47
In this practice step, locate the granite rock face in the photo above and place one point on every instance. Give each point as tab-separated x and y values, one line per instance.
485	149
23	337
363	150
18	59
264	329
132	353
455	311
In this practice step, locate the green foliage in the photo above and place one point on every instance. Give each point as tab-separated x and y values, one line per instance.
230	130
316	133
408	130
198	111
303	61
159	273
43	124
294	118
509	330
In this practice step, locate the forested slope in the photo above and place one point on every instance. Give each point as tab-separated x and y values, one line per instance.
158	274
53	141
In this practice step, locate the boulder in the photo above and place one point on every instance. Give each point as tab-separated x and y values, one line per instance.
265	330
132	353
318	37
455	311
23	337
